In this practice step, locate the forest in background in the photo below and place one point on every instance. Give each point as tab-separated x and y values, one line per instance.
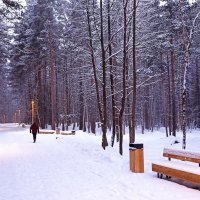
118	63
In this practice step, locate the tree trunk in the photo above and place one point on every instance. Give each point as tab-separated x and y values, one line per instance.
123	99
141	109
101	113
53	104
173	89
81	106
169	97
197	94
111	76
103	57
163	95
40	100
132	134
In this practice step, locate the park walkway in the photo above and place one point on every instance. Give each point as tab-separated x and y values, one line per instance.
75	167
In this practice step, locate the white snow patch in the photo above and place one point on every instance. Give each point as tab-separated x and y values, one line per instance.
75	167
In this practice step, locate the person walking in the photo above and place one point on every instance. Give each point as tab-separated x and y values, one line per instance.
34	129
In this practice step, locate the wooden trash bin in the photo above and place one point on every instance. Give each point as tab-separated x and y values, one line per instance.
58	131
136	158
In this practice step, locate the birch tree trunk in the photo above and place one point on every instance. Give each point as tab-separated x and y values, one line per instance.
187	40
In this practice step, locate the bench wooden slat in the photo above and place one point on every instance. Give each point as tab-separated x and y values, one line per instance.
182	155
172	172
46	132
67	133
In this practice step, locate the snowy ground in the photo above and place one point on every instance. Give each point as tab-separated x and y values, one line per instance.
76	168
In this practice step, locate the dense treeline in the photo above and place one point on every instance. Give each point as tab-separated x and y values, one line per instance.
119	63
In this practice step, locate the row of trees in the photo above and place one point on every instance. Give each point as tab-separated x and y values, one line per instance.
9	10
119	63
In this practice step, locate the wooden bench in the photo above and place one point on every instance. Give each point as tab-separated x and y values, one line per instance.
46	132
178	169
68	133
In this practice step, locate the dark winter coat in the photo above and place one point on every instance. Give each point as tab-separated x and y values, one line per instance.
34	128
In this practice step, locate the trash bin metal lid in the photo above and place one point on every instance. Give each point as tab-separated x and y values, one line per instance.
132	148
136	146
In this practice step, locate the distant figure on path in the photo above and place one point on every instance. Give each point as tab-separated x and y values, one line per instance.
34	129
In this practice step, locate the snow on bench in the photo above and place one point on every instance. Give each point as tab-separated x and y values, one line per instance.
177	168
46	132
182	155
68	133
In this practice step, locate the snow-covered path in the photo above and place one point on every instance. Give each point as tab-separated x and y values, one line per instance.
76	168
